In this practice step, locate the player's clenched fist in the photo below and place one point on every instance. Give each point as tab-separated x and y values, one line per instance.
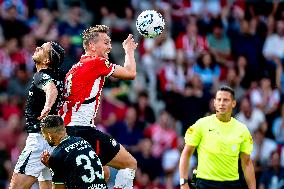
44	158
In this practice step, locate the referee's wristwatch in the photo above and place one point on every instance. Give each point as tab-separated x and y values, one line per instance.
183	181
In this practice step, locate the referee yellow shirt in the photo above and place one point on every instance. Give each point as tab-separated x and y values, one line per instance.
218	146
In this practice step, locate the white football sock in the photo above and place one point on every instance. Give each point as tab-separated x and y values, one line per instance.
124	178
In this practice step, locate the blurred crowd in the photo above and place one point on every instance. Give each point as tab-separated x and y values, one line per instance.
205	44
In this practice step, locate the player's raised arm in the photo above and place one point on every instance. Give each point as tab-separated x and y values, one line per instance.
50	98
128	70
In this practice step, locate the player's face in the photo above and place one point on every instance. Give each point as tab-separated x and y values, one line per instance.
48	137
42	53
224	103
102	46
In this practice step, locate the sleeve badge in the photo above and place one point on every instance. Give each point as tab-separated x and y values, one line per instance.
107	63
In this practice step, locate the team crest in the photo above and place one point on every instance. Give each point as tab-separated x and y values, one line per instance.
107	63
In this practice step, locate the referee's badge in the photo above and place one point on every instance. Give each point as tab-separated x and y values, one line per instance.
234	148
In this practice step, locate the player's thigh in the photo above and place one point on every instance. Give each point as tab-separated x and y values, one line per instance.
104	145
123	159
29	161
21	181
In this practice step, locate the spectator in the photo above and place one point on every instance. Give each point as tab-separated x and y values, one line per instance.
219	43
159	53
129	131
19	85
45	28
145	112
208	70
249	45
262	149
273	49
11	24
7	65
267	99
252	117
162	134
146	175
278	127
73	28
233	79
273	177
189	45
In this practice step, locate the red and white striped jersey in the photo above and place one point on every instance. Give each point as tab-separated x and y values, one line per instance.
83	86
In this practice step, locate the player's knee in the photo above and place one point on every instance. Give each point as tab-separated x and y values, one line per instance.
133	163
130	163
21	181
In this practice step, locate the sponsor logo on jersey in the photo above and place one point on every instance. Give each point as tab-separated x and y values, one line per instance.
45	76
113	142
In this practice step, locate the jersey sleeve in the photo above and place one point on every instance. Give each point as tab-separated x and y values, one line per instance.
41	79
57	170
247	144
193	135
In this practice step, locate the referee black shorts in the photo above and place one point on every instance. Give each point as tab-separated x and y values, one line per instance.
209	184
105	146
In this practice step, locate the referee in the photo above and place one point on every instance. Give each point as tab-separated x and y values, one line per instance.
220	140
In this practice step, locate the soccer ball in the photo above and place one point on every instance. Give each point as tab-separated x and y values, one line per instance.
150	23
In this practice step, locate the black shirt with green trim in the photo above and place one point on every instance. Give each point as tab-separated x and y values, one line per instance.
75	164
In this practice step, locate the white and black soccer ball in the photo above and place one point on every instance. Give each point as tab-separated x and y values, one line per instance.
150	23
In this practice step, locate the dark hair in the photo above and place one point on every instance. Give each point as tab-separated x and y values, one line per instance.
200	62
56	55
92	33
227	89
52	121
143	94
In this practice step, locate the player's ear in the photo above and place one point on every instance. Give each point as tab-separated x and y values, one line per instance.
49	136
234	103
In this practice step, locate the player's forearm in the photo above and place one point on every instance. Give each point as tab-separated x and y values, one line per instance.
50	96
249	174
184	164
130	63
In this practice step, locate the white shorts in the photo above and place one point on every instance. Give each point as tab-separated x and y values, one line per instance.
29	161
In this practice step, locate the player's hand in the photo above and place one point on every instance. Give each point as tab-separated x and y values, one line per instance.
44	112
129	44
44	158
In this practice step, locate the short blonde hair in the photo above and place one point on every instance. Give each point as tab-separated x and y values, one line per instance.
92	33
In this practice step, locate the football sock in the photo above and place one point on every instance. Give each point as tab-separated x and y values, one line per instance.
124	179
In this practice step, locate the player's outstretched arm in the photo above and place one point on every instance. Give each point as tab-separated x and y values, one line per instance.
128	70
50	98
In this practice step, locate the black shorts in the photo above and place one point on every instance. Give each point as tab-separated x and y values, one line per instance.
209	184
105	146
